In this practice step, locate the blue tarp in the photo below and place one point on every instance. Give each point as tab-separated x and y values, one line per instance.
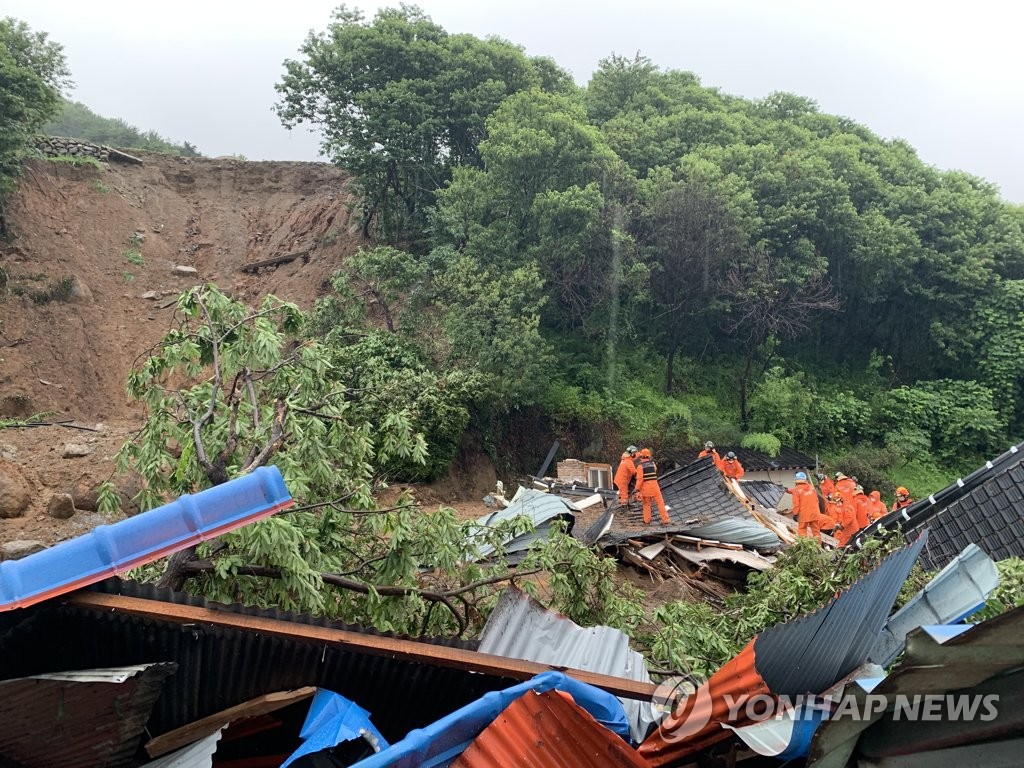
333	719
441	742
108	550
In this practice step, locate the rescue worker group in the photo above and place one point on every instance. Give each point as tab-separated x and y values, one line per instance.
838	506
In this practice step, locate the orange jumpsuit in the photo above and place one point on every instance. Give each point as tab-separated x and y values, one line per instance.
845	488
876	507
713	453
846	517
732	468
649	490
827	486
805	508
623	475
901	504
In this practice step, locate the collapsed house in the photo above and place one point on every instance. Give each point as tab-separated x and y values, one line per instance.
103	672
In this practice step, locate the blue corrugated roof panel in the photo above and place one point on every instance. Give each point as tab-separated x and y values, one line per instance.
112	549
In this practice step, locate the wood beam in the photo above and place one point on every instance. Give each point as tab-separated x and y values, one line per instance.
355	642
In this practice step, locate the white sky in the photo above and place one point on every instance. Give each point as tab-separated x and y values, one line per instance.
946	76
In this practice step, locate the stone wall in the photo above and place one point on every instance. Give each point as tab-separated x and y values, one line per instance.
58	146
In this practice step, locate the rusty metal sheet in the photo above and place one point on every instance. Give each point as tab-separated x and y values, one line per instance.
547	730
77	724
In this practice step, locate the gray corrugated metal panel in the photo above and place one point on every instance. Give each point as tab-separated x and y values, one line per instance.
749	533
961	586
536	505
955	514
521	628
197	755
929	666
77	724
764	492
810	653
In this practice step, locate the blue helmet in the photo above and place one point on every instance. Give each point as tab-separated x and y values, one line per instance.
801	475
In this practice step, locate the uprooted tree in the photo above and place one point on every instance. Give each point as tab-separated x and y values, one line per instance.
233	388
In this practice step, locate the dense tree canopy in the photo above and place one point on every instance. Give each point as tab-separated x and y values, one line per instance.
669	236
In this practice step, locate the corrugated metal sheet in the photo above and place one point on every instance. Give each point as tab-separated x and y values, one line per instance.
986	508
440	742
985	659
219	668
521	628
108	550
957	591
51	722
542	508
695	724
197	755
546	730
701	505
808	654
812	652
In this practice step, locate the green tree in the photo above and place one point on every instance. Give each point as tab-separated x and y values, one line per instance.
33	73
401	103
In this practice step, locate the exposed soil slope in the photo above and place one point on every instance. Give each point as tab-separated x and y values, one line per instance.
73	318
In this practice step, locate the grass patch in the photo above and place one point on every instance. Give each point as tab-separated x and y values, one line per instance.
100	187
59	291
127	276
77	161
134	256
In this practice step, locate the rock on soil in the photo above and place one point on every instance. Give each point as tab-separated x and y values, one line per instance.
15	493
62	506
76	451
19	548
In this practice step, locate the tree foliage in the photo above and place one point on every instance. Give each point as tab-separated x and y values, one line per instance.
33	74
78	121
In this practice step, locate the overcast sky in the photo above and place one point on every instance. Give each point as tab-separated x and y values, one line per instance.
946	76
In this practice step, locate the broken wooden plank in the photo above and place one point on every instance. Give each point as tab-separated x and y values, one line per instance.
652	551
261	705
275	261
707	542
355	642
123	157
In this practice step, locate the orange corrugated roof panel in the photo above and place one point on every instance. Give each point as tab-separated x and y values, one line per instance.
696	722
547	730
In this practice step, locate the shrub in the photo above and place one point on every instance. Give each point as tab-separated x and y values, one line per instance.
763	442
781	405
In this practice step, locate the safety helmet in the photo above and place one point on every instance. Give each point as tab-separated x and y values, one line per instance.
854	478
709	445
645	453
859	489
730	455
901	491
840	476
631	449
800	476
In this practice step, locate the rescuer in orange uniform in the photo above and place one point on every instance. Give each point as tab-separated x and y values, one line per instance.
731	466
825	484
861	504
845	487
805	507
845	517
902	499
709	450
647	487
625	473
876	507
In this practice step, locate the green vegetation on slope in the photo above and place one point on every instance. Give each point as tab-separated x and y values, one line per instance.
76	120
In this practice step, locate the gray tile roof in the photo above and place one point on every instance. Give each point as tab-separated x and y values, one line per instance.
985	508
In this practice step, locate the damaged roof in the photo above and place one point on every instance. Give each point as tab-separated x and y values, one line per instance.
547	730
985	508
700	505
521	628
752	461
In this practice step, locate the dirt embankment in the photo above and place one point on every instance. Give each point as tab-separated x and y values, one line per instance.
90	277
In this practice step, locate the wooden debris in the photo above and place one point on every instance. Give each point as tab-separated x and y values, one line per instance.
590	501
256	266
200	729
